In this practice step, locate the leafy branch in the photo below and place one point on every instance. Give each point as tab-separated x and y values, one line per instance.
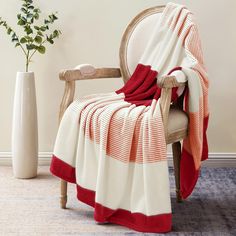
36	36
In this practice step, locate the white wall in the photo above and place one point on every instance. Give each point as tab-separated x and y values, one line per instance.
91	34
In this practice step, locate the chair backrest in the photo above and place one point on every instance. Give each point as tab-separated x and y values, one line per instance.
135	39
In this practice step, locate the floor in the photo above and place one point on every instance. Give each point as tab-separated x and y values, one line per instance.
31	207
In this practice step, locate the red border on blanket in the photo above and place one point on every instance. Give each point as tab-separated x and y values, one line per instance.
188	174
137	221
62	170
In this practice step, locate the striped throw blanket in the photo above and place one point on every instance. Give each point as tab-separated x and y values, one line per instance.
112	145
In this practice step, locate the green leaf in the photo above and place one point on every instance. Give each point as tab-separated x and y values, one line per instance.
43	28
23	10
9	30
28	38
36	10
21	22
23	40
36	16
50	40
40	33
41	49
56	33
24	19
18	16
14	39
28	30
17	44
54	17
29	15
30	46
38	39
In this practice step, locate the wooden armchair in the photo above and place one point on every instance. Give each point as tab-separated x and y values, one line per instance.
133	42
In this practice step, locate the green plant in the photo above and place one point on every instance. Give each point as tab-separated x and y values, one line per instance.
36	35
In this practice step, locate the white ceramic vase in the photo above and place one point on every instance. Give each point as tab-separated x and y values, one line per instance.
25	127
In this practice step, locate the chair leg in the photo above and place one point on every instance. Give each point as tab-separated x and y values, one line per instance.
176	148
63	194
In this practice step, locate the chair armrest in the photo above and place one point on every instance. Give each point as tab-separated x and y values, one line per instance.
169	81
166	83
85	71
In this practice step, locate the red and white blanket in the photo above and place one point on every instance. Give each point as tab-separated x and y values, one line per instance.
112	146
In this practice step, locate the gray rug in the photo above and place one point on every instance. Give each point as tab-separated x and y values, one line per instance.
211	209
31	207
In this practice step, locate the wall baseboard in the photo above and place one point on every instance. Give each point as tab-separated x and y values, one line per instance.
214	160
44	158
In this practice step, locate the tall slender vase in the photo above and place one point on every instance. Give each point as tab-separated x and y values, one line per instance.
25	127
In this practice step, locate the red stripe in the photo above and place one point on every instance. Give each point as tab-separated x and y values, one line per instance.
135	80
188	174
142	88
62	170
86	196
137	221
175	69
205	143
